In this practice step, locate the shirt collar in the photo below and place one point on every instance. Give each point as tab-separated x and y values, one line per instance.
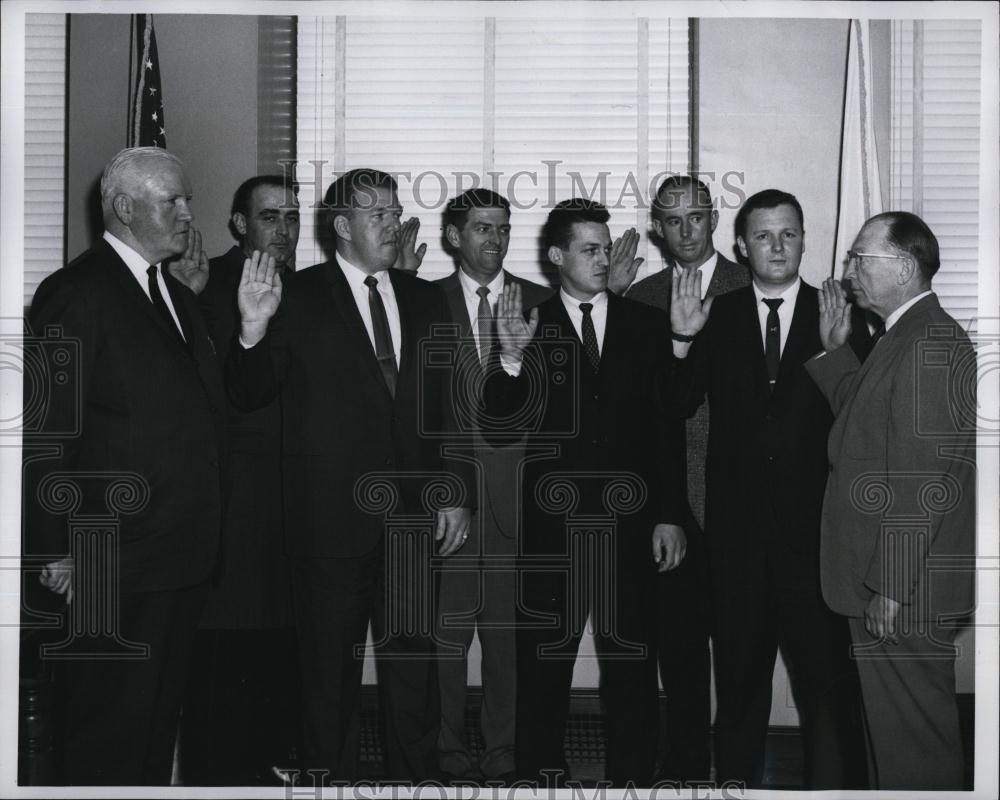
599	300
356	277
789	295
893	318
710	264
136	264
470	287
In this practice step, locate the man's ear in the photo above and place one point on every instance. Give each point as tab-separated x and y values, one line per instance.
122	206
556	255
451	234
658	228
341	227
742	247
906	271
713	220
240	223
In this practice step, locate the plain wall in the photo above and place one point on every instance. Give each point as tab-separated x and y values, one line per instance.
770	108
208	70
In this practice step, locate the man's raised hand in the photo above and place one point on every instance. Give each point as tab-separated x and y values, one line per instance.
688	313
191	266
513	331
409	257
258	296
624	264
834	315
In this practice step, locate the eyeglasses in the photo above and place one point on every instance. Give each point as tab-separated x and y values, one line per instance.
853	257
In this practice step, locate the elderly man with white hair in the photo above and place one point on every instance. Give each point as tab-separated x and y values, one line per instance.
137	443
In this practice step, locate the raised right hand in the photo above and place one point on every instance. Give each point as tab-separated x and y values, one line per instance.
834	315
258	295
688	313
513	331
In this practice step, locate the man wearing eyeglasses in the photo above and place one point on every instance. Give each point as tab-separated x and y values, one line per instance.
898	531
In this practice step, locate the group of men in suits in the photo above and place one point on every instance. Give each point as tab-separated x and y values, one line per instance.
347	444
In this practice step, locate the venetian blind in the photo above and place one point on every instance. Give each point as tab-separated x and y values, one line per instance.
44	147
537	112
936	106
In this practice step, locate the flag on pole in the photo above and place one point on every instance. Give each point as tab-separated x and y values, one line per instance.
860	187
146	123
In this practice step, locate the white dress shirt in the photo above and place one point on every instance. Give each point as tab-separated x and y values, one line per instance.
785	312
893	318
707	271
137	265
469	289
599	314
356	280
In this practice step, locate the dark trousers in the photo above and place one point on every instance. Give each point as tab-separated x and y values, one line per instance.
683	603
477	595
551	622
765	596
334	601
117	718
241	709
910	710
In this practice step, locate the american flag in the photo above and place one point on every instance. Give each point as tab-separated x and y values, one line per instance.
146	124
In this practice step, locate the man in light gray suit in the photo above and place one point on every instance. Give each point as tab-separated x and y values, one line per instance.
899	516
481	595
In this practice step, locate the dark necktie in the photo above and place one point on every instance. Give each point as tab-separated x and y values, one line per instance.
590	337
878	333
772	339
484	319
160	304
384	353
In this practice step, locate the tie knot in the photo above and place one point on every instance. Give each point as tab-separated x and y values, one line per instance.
482	291
586	307
151	271
773	302
371	281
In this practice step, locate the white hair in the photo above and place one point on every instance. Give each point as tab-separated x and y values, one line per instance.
123	171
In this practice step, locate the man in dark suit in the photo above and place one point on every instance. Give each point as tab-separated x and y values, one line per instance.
240	713
139	445
766	473
602	494
364	420
898	533
684	220
477	590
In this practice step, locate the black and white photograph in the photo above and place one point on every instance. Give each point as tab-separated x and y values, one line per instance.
498	400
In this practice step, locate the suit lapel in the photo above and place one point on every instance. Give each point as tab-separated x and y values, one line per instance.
452	286
409	337
804	323
614	334
353	325
133	291
754	346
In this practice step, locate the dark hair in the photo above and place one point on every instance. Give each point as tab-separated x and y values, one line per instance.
353	190
674	185
558	228
241	200
909	233
769	198
456	212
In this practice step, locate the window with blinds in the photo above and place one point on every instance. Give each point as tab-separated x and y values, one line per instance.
936	106
44	147
536	111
